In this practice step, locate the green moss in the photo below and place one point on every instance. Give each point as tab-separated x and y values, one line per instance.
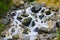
3	9
1	27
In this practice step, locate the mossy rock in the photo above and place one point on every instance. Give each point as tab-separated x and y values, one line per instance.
24	15
16	36
27	21
48	12
19	18
26	31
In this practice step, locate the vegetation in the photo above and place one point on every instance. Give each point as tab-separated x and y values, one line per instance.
2	27
3	9
7	2
32	0
58	37
50	3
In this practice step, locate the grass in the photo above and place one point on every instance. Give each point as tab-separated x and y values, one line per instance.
50	3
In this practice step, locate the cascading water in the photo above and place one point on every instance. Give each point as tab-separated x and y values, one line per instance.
34	17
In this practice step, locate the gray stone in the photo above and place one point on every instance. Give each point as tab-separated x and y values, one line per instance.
5	21
12	8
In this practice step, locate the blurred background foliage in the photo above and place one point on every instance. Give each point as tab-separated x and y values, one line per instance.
4	7
50	3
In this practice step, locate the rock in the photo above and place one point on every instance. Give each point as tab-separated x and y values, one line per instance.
5	21
12	8
24	15
13	14
9	39
43	10
36	29
16	36
48	12
33	23
43	30
19	18
26	31
41	16
26	21
36	9
12	30
57	24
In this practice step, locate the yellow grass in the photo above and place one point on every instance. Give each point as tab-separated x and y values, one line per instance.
50	3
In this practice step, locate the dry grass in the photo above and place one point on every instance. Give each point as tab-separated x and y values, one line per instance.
50	3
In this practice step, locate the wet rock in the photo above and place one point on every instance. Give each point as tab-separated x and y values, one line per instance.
36	9
26	21
33	23
48	12
43	10
57	24
19	18
26	31
12	30
9	39
13	14
43	30
41	16
36	29
24	15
